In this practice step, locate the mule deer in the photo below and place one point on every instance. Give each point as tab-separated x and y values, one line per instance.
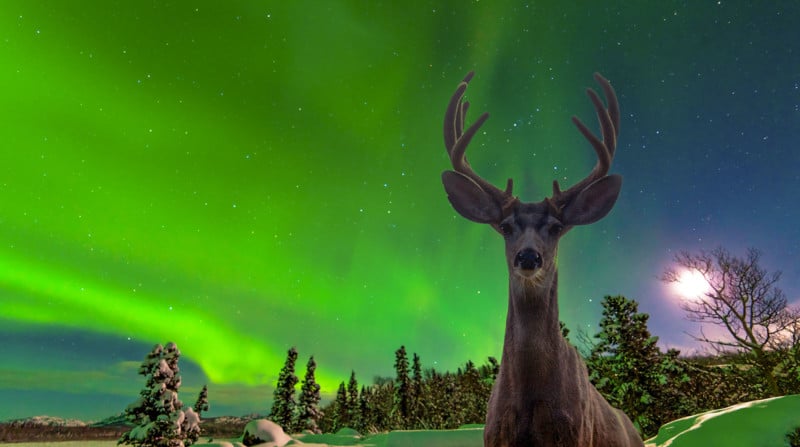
542	396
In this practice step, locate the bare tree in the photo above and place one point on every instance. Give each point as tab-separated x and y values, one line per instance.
790	338
742	298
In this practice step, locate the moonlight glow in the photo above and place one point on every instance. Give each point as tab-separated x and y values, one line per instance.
691	285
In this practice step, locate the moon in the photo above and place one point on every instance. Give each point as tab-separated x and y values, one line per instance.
691	285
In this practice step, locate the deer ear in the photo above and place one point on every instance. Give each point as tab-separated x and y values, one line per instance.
594	202
469	199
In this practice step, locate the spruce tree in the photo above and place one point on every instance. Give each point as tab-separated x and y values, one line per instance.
340	411
200	406
403	389
490	371
202	401
169	404
186	424
367	418
438	400
310	413
283	403
627	366
381	402
472	390
417	407
144	412
353	413
157	415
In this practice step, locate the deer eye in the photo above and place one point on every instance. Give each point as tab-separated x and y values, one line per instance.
556	229
506	229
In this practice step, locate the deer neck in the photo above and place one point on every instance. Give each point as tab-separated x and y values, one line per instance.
533	344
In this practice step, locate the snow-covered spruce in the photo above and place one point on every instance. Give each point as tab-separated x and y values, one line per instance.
158	416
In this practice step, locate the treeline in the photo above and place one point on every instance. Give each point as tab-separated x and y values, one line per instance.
623	360
32	432
413	399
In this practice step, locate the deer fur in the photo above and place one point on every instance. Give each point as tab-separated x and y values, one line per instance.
542	395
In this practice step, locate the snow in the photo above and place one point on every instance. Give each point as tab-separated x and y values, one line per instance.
190	418
439	438
266	431
760	422
763	422
190	424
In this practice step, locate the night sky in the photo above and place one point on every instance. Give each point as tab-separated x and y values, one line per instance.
241	177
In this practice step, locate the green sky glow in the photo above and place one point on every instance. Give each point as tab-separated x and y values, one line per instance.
241	177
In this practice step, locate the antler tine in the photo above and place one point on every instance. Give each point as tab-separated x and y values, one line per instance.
613	104
605	148
452	126
456	140
454	116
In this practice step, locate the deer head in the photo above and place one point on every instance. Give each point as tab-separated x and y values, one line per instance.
532	230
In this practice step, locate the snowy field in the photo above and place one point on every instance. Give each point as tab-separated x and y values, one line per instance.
763	422
757	423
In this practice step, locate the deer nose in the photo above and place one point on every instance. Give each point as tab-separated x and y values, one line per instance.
528	259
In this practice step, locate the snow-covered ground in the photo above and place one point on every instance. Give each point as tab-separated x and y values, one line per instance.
762	422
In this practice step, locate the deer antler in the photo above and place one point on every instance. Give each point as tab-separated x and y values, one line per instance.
482	202
609	127
456	141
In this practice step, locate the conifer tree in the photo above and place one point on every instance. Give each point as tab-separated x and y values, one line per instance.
144	412
491	370
382	398
471	389
417	410
310	413
439	399
366	422
157	415
627	366
353	413
193	429
185	423
403	389
284	404
564	330
202	401
340	410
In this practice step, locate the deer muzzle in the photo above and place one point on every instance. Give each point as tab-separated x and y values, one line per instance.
528	259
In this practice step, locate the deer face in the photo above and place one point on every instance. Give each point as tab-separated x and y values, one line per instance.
531	237
532	230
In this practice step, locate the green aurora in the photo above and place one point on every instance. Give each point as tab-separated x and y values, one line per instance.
241	177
